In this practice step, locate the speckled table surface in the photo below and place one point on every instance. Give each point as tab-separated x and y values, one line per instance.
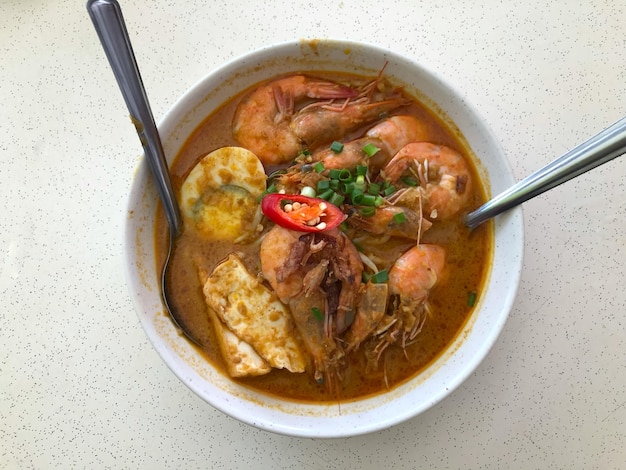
81	386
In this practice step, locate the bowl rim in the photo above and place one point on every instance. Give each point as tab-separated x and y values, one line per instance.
325	426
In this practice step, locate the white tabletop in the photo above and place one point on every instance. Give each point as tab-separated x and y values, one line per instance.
81	386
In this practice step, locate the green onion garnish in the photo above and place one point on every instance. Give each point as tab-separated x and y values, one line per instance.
334	173
409	181
270	190
317	313
345	175
380	277
323	185
368	199
348	188
399	218
326	195
389	190
361	170
336	199
357	196
374	188
368	211
378	201
471	299
336	147
319	167
370	150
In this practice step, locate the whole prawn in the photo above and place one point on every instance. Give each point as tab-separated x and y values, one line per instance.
318	276
277	120
443	174
411	279
389	136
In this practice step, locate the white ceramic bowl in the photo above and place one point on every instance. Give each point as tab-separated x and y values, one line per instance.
325	420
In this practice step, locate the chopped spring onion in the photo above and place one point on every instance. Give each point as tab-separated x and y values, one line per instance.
409	181
326	195
334	173
336	147
270	190
389	190
345	176
308	191
399	218
471	299
342	183
317	313
348	188
370	150
323	185
357	196
380	277
368	211
368	200
373	188
336	199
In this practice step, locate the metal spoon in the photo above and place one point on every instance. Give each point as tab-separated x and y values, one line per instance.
604	147
106	16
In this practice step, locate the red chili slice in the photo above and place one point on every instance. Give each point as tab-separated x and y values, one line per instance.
315	216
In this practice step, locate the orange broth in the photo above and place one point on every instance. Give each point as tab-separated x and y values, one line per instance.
468	255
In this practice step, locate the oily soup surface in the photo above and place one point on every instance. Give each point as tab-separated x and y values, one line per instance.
466	264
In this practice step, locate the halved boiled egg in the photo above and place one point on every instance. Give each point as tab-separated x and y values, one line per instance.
220	194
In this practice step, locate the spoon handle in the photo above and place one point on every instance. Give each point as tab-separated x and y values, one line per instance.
106	16
604	147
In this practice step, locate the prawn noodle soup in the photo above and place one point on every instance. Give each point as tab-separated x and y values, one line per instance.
324	312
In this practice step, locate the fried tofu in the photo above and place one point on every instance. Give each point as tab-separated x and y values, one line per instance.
241	359
254	314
